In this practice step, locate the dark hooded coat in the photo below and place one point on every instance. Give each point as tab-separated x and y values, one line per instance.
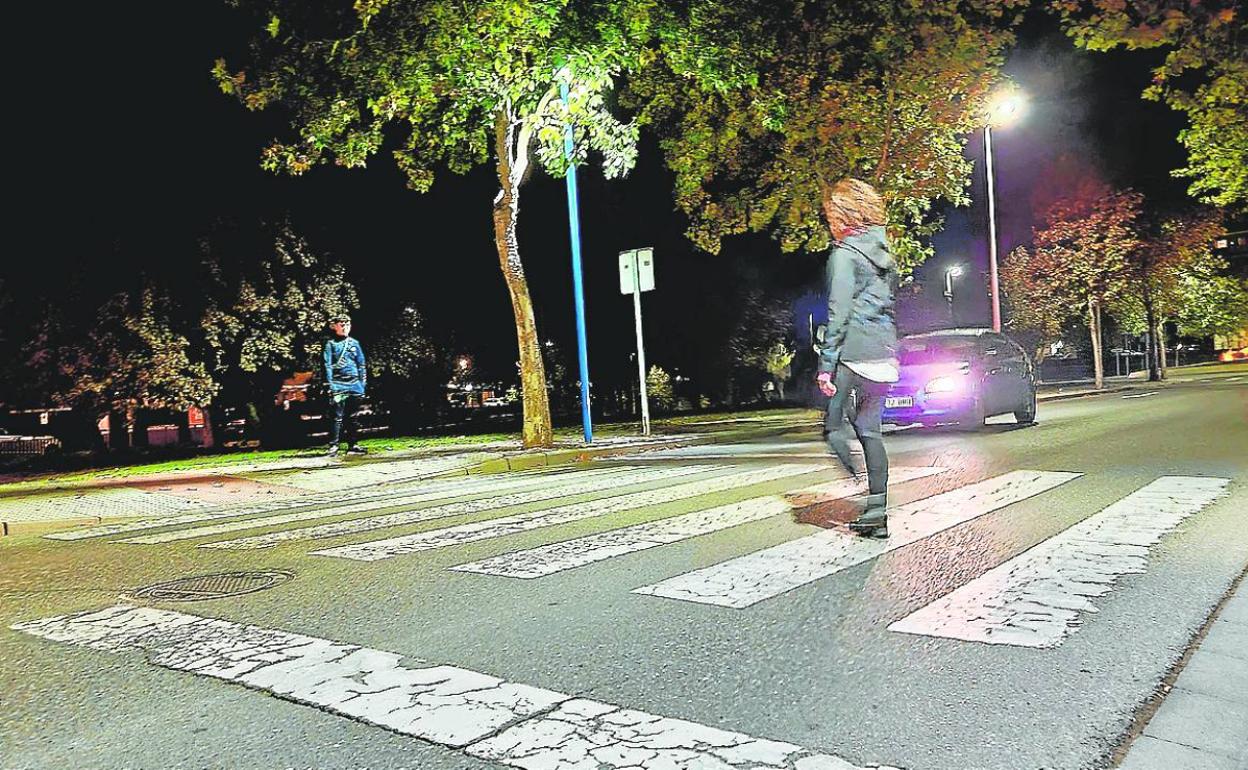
862	284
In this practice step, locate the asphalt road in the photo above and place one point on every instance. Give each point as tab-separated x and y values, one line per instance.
816	665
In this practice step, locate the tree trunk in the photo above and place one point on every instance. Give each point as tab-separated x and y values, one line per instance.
183	421
118	430
140	419
1150	319
1038	355
1159	334
1094	327
209	439
537	428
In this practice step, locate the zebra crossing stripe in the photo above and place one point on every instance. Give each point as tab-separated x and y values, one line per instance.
545	488
482	715
510	525
749	579
745	451
588	481
822	454
368	504
428	490
557	557
1038	598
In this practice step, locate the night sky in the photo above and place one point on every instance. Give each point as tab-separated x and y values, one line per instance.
127	153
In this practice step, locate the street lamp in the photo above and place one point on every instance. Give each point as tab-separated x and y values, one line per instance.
1003	110
578	291
951	272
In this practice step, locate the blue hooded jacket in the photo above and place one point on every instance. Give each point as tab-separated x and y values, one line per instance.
344	366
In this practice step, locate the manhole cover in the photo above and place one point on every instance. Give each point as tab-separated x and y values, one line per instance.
200	587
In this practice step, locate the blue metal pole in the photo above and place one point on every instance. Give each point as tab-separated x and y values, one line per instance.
574	227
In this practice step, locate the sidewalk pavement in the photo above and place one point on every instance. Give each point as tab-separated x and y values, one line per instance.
92	501
1203	721
1056	391
1139	379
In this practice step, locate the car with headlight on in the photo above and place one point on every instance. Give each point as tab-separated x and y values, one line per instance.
963	377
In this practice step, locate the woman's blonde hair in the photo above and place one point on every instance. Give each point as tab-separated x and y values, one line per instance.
851	205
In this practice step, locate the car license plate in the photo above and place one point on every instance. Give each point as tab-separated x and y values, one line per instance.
897	402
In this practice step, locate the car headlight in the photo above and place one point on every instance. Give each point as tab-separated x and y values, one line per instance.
942	385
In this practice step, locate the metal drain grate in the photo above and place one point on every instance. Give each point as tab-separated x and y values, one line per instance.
219	586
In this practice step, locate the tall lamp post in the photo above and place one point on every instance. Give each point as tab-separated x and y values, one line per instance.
1003	110
578	293
951	272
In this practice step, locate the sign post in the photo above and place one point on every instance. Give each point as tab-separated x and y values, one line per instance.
636	276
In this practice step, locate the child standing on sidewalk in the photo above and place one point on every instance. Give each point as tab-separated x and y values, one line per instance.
346	376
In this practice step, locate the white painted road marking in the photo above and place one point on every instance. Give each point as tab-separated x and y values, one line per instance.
1035	599
822	455
522	522
589	734
1143	395
743	451
435	489
750	579
484	716
565	484
557	557
1233	379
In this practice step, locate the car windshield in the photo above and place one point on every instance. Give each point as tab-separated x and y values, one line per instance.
930	350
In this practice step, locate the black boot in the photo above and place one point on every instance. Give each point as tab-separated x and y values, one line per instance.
873	521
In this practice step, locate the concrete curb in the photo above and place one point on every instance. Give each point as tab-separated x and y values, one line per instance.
539	459
504	463
12	528
1083	393
240	470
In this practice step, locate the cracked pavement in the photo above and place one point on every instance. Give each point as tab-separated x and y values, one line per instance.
473	669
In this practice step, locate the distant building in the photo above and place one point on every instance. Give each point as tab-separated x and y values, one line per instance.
294	389
1233	247
163	433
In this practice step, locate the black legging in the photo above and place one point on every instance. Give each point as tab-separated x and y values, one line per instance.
865	418
344	412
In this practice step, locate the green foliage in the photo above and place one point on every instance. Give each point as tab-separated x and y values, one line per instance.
405	350
659	389
441	71
131	357
1034	308
779	360
407	370
784	98
761	322
1079	260
562	375
1212	302
269	314
1170	271
774	359
1205	75
455	84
